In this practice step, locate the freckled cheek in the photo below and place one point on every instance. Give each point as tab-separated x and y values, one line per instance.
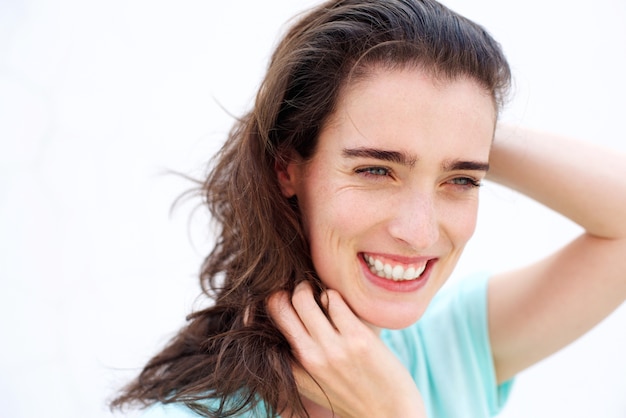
328	252
460	222
334	227
354	214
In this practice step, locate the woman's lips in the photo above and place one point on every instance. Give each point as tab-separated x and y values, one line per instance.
398	274
394	270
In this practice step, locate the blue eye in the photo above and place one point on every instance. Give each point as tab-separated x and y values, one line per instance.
465	182
374	171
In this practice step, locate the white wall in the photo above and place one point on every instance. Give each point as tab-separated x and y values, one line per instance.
99	99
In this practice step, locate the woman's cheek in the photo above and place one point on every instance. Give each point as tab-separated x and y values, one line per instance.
461	220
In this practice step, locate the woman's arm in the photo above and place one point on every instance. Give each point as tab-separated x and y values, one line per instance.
536	310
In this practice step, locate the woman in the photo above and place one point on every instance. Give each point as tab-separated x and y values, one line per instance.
345	198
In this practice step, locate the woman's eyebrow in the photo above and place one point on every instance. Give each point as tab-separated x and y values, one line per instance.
409	161
380	154
453	165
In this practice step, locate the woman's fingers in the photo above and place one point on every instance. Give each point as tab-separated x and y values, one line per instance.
344	320
286	318
343	365
310	313
300	319
300	316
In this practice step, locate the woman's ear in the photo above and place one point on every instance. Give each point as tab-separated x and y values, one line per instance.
287	172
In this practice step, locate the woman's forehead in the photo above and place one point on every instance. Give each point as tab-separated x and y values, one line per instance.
410	112
411	96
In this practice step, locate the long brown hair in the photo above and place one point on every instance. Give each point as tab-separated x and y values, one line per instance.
231	352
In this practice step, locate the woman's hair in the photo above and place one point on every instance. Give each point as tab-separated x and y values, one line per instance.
232	352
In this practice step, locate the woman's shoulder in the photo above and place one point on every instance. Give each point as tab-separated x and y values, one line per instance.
462	300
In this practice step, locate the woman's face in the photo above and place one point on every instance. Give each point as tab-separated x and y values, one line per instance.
389	198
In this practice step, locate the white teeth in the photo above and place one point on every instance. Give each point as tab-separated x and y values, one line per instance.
378	264
397	272
409	273
388	270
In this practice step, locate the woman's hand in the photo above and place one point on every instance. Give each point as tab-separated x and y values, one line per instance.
355	374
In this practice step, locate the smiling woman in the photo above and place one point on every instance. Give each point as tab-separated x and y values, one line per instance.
392	182
345	198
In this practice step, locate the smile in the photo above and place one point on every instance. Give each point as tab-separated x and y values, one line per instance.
396	272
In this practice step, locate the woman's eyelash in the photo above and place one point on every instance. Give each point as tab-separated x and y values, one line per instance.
466	182
374	171
377	172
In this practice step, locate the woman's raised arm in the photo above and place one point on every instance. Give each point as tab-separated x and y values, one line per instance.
536	310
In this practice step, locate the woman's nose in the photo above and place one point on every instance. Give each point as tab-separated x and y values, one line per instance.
414	221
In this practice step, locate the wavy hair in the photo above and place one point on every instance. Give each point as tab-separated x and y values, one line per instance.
230	356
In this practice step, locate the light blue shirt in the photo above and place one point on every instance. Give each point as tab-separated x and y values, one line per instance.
447	352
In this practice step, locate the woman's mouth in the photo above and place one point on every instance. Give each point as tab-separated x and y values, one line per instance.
388	269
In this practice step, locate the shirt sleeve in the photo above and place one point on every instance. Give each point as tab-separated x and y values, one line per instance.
180	410
175	410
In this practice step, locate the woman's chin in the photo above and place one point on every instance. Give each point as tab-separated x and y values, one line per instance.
378	319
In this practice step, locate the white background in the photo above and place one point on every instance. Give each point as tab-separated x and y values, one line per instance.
98	100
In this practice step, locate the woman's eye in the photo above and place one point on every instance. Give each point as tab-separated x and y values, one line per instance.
374	171
465	182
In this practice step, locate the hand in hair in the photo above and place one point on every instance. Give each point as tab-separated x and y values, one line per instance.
347	368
